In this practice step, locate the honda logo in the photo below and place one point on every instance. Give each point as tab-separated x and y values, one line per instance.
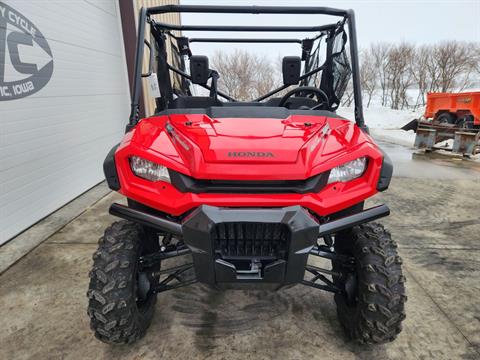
250	154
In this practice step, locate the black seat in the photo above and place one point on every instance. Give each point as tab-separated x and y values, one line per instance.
194	102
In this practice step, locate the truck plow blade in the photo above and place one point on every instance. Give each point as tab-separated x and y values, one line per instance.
412	125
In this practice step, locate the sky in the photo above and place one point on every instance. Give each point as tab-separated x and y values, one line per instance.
419	22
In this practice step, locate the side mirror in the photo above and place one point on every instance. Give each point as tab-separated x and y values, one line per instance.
291	70
199	69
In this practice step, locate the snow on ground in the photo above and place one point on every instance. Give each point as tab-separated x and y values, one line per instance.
385	123
401	137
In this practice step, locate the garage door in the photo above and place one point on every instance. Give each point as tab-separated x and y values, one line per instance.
63	103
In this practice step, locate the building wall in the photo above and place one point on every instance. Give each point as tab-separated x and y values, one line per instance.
53	141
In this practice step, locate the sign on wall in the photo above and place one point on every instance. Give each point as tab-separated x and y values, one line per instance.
26	61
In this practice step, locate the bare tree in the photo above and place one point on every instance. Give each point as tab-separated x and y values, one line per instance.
265	79
454	61
243	75
380	58
391	70
368	74
347	99
476	60
399	75
420	73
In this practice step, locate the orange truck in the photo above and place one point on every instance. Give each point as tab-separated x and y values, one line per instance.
447	116
460	109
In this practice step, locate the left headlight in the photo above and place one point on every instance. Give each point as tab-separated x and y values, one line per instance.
149	170
348	171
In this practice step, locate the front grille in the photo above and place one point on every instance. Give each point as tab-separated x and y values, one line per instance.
186	183
263	241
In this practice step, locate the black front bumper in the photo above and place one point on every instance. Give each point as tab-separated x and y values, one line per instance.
201	230
249	245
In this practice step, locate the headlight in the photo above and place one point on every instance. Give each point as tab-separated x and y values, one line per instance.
149	170
348	171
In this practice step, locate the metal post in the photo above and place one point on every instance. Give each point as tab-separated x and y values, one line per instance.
357	87
137	81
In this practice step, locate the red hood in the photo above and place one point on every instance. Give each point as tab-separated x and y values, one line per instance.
297	147
254	140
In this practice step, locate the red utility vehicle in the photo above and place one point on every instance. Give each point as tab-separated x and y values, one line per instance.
248	190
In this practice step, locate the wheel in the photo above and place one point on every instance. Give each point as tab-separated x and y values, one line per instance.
121	303
372	306
465	122
446	118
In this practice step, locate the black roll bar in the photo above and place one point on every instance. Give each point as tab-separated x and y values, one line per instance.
251	9
357	85
243	40
145	14
137	76
245	28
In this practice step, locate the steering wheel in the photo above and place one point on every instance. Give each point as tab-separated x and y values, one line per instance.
322	98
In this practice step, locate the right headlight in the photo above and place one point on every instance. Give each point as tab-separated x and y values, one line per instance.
348	171
149	170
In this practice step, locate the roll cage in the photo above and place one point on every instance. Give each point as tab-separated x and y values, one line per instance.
158	51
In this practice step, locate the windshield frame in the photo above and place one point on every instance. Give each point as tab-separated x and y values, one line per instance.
145	15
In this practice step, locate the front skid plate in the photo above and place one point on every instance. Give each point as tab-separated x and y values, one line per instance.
198	232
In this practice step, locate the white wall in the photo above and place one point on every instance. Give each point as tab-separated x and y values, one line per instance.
52	143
